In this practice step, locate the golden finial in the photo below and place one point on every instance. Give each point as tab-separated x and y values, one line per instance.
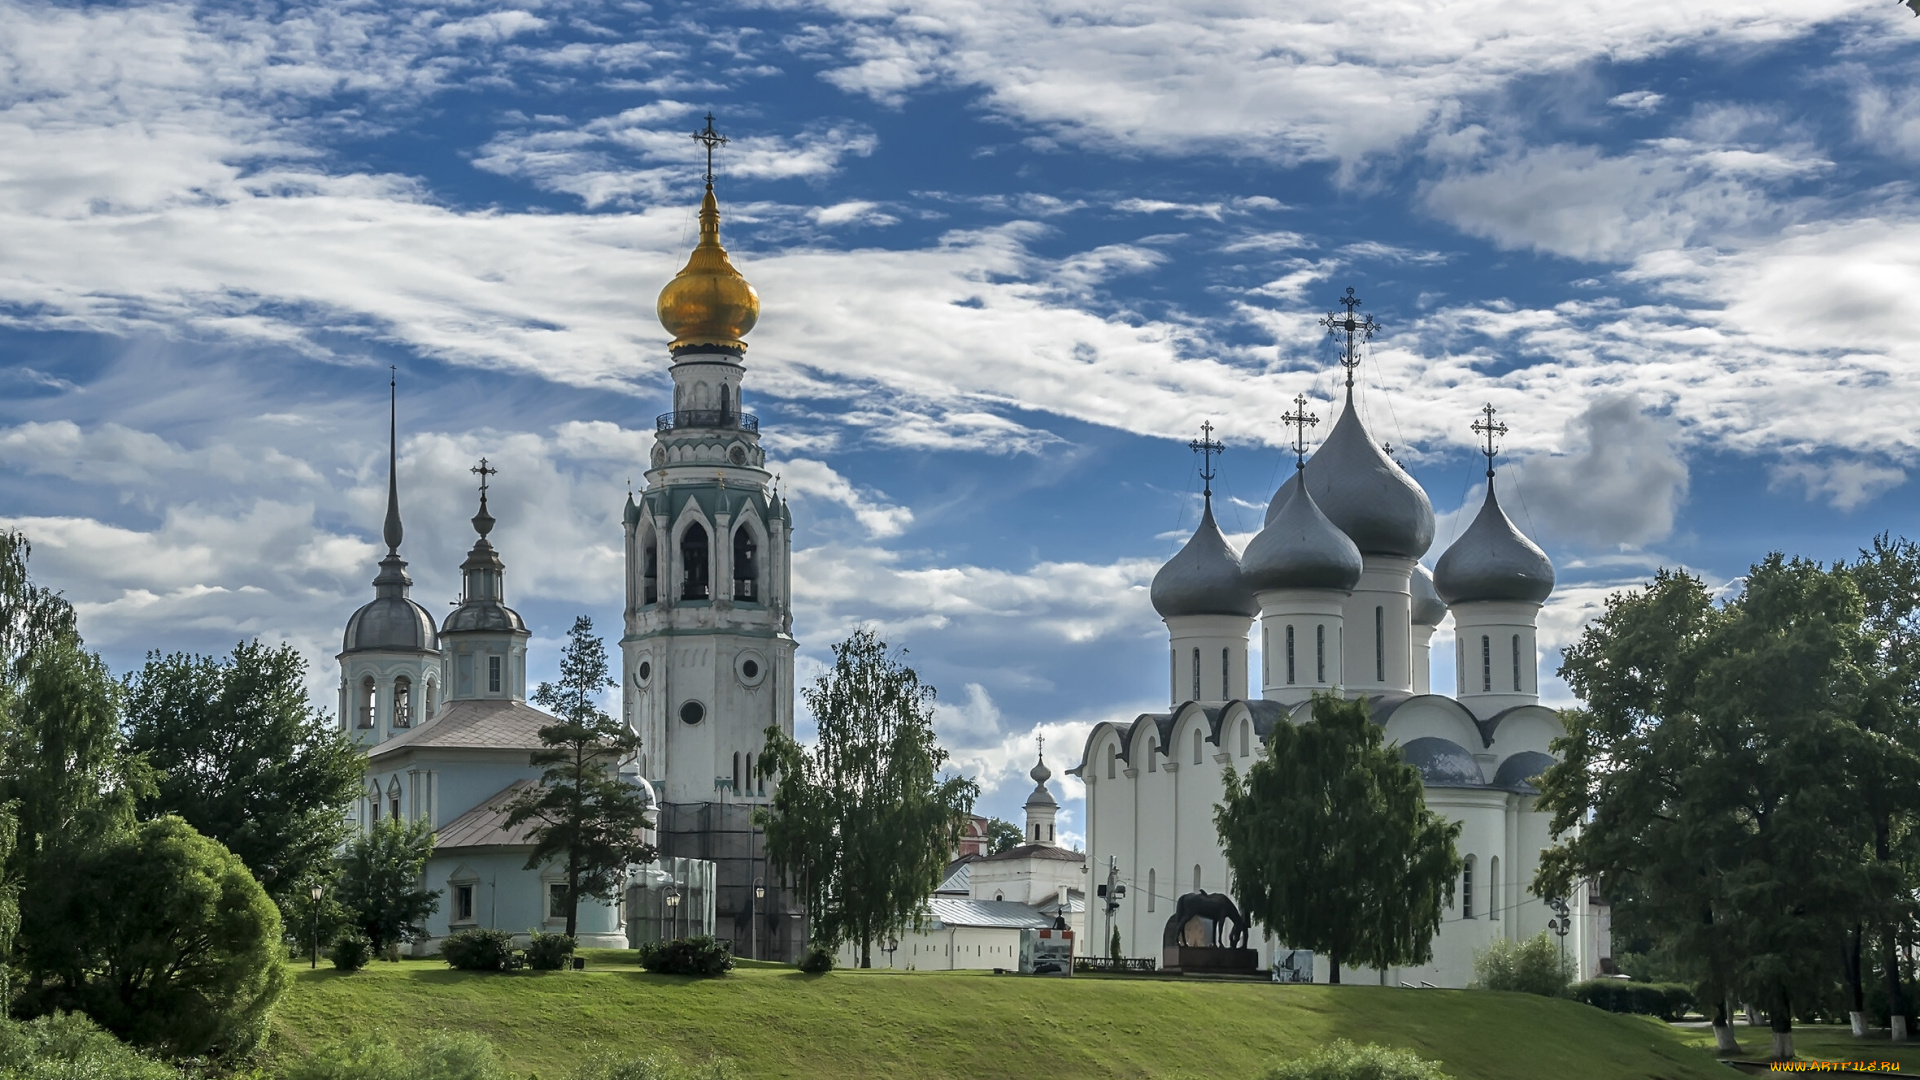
709	302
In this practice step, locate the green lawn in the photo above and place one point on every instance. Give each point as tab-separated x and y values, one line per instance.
775	1022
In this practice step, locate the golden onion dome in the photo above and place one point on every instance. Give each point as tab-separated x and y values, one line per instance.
708	302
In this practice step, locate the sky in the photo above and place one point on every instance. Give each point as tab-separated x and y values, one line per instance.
1011	255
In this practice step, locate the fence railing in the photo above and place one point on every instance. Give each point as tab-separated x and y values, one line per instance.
707	418
1108	963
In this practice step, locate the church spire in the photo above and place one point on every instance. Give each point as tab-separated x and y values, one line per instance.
392	532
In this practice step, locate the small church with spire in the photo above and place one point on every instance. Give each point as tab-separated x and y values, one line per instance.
1343	605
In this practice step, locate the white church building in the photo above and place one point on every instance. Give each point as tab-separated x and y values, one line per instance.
1343	605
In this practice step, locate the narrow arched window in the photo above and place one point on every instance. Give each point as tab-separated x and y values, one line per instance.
736	771
650	570
1379	644
369	700
693	563
746	573
1290	679
1493	887
373	800
1516	663
1197	740
402	702
1266	657
1113	753
1153	751
1320	653
430	702
1486	663
393	798
1196	877
1196	673
726	400
1173	670
1151	889
1049	834
749	772
1246	737
1226	674
1466	890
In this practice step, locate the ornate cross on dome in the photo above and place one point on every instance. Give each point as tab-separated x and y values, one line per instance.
712	139
1300	420
483	470
1490	428
1206	448
1358	332
1040	744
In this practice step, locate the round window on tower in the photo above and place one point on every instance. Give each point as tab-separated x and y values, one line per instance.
643	673
692	712
737	455
750	668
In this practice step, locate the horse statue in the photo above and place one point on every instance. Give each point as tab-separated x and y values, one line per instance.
1216	908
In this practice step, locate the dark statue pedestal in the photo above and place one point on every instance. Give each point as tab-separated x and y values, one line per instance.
1204	960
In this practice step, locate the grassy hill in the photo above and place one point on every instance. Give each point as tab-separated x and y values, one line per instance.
849	1025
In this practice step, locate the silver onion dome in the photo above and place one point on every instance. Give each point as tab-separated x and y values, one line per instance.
390	624
1442	763
1493	560
1300	548
1203	578
1428	608
1365	493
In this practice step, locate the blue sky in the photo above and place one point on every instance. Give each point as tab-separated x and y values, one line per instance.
1011	255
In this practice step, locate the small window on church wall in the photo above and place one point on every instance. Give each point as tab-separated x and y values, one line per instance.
1380	644
428	714
726	398
463	903
693	563
493	674
1112	753
367	703
746	573
1516	663
1151	890
1226	674
650	572
1486	663
1466	890
1246	737
736	770
1153	755
1320	653
1493	887
1197	738
556	899
402	702
1290	654
1196	877
1196	674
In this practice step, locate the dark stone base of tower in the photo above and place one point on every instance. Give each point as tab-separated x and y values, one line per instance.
723	834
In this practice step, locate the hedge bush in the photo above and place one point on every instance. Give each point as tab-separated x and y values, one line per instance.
700	955
68	1046
1534	966
1668	1001
549	952
1343	1060
351	951
477	950
376	1057
818	961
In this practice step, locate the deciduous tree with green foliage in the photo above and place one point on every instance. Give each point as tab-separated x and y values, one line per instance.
1332	846
589	820
1003	835
245	758
382	878
1714	777
162	936
862	823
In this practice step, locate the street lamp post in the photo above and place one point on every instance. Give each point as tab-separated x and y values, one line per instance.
892	944
317	890
753	917
673	908
1560	923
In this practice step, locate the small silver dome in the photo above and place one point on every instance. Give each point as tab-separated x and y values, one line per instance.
1365	493
1300	548
1428	608
391	624
1519	772
482	615
1203	578
1443	763
1492	560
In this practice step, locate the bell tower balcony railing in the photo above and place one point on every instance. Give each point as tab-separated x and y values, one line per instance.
723	419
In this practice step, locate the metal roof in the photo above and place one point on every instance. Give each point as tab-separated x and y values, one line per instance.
1001	914
486	825
476	724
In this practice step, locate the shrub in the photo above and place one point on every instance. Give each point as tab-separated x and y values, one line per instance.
549	952
350	951
700	955
1668	1001
1345	1061
159	934
650	1067
818	961
477	950
375	1057
1533	966
68	1046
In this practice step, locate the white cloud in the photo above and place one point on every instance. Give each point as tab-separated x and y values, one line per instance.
1619	479
1846	485
1637	101
808	479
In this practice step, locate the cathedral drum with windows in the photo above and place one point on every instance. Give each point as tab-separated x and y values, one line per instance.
1343	605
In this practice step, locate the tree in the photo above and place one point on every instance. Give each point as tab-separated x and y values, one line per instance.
161	936
589	819
381	875
1003	835
1538	965
247	760
29	613
861	823
1712	781
1332	846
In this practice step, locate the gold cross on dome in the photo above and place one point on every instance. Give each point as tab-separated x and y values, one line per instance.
711	139
1491	428
1300	420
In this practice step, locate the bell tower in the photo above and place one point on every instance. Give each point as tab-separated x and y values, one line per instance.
708	649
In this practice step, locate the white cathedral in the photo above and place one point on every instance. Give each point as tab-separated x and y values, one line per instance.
1344	606
706	658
